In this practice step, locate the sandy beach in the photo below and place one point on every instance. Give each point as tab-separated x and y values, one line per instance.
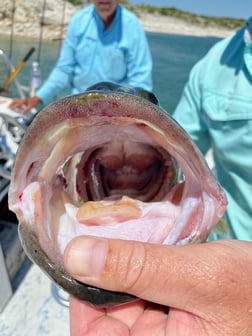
170	25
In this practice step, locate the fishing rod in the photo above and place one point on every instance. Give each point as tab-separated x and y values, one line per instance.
16	70
12	27
41	30
62	25
9	64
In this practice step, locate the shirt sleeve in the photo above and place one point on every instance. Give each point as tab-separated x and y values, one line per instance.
139	73
189	113
61	75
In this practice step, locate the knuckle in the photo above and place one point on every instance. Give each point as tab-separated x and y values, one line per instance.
132	267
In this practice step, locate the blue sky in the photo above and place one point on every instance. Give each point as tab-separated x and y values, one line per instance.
234	9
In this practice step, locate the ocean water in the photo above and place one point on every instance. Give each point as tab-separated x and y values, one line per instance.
173	57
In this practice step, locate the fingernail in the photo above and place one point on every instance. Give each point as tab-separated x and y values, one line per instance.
86	256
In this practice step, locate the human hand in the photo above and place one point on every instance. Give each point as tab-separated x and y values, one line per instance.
207	287
25	104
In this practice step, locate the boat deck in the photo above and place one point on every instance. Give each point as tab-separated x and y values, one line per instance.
33	310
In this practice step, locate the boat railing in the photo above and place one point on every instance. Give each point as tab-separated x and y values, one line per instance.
22	90
12	124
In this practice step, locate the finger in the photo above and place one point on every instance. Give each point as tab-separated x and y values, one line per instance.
32	102
26	108
152	322
26	104
82	315
185	277
86	320
144	270
22	104
16	103
127	313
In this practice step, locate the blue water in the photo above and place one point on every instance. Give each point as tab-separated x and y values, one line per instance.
173	57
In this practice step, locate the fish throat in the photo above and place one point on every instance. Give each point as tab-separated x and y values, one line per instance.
127	165
119	169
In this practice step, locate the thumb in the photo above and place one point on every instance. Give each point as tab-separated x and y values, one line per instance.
177	276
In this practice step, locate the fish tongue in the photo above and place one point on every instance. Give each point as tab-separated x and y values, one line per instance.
108	212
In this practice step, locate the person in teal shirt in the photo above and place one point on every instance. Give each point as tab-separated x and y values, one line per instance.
216	110
104	42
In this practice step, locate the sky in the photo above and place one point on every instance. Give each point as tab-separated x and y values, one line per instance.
223	8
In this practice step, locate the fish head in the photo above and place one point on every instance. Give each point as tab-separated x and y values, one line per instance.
109	163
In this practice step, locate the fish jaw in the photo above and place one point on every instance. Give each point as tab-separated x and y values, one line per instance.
124	133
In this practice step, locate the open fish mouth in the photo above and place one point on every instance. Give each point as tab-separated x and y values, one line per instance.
110	163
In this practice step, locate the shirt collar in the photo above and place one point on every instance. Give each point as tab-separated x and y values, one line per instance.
248	31
99	21
248	45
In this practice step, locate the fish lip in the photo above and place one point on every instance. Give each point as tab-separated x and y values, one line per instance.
95	296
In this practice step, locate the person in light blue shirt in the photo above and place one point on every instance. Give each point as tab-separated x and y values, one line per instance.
104	42
216	110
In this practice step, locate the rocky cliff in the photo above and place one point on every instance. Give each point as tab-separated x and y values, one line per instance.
48	19
27	18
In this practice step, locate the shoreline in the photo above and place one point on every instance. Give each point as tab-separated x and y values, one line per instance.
154	23
157	23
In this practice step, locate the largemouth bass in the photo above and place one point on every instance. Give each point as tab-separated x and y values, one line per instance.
111	163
